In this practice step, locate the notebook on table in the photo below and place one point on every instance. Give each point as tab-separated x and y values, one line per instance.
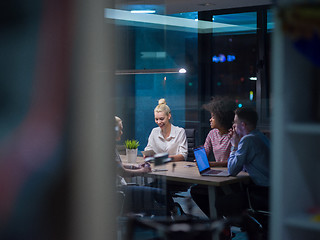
204	166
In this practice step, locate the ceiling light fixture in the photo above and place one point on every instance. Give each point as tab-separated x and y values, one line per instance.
143	11
173	23
150	71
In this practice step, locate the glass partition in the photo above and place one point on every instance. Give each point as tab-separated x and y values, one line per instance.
221	56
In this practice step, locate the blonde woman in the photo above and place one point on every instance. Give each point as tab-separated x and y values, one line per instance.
167	137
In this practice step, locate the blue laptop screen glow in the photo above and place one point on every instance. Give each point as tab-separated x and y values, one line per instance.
201	158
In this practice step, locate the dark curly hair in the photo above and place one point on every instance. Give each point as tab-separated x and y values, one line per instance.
223	110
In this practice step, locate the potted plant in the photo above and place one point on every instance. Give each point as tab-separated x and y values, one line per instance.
132	150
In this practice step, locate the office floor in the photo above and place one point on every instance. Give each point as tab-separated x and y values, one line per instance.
187	203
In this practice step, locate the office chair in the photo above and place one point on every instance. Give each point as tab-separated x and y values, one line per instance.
258	211
120	197
171	229
191	138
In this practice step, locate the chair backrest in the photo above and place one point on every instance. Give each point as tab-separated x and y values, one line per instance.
191	138
121	196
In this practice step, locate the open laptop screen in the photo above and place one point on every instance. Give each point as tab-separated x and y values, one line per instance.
201	158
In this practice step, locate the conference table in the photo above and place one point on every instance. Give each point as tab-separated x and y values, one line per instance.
187	172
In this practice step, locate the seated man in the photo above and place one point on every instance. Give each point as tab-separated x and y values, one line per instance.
250	152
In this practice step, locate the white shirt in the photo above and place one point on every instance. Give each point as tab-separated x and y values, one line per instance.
175	144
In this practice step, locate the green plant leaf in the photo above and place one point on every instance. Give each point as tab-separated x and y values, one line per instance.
131	144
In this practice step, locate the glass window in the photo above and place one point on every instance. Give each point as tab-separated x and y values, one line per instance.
221	56
234	58
150	72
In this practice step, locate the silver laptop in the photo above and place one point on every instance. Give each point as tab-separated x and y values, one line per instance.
204	166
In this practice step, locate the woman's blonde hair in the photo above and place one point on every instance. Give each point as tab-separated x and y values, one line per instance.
162	107
118	127
118	121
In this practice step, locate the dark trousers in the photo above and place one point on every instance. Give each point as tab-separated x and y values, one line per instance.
170	188
145	200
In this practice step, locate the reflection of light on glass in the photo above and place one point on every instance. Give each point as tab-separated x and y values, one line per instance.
253	78
174	22
182	70
151	71
153	54
239	105
197	20
222	57
231	58
251	95
143	11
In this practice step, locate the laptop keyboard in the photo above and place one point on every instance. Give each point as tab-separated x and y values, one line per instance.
212	171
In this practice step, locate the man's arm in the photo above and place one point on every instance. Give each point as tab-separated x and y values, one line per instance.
238	157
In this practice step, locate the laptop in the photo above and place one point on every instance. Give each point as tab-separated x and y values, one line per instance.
204	166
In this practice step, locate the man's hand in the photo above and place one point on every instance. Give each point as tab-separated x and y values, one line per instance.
234	137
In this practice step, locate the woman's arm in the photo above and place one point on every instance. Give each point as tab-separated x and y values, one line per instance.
208	144
177	158
151	140
219	164
182	152
132	170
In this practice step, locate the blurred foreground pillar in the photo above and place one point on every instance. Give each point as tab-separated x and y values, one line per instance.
93	165
56	121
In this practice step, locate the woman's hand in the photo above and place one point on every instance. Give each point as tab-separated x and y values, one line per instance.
145	168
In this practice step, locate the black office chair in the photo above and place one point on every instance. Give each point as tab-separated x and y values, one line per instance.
184	227
191	138
258	211
121	196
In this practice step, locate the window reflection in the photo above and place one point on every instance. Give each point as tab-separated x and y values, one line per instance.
233	64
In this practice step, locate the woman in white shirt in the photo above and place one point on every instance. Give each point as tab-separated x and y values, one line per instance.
167	137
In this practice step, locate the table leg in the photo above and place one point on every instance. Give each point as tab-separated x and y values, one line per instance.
212	201
212	207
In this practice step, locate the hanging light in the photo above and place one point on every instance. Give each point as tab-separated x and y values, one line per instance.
151	71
